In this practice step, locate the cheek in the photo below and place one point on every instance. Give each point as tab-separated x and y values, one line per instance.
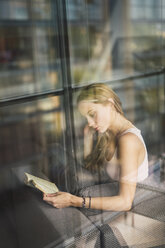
103	118
107	119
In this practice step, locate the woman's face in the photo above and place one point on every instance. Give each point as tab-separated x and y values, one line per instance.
99	116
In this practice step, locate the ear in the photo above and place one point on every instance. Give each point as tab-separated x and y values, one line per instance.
111	101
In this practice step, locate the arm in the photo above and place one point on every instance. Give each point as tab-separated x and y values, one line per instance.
129	147
128	153
88	140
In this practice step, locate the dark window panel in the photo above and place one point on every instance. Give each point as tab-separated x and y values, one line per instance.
29	130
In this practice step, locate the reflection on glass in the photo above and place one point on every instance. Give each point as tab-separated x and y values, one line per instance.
41	10
13	10
29	60
114	38
148	111
24	10
89	34
29	129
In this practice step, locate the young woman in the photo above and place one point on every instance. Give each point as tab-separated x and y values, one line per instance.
120	150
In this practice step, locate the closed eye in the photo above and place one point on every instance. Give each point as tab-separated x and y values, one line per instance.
92	114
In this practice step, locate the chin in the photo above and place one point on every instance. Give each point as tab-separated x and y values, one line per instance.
102	130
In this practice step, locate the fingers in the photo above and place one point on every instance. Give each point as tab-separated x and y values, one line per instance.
51	198
89	131
50	195
58	200
86	129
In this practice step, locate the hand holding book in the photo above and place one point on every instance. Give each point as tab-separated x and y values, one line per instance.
41	184
52	195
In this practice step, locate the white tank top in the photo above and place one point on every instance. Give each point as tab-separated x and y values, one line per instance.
142	168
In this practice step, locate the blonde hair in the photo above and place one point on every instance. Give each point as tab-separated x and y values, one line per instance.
106	142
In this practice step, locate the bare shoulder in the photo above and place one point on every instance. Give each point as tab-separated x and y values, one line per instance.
130	142
130	148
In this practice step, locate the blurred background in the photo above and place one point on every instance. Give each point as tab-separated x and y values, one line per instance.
50	49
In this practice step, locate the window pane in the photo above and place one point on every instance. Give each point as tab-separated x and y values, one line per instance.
41	10
29	52
29	130
13	10
114	38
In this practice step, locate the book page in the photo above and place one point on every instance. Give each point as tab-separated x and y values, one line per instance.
41	184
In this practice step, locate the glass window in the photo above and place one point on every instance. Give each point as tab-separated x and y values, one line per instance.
114	38
41	10
29	52
89	35
29	130
148	111
120	43
123	38
14	10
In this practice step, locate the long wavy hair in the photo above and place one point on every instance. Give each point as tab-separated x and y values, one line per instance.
106	142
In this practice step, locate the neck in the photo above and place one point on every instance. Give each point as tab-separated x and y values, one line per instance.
121	124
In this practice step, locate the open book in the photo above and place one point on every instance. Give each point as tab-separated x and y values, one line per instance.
41	184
